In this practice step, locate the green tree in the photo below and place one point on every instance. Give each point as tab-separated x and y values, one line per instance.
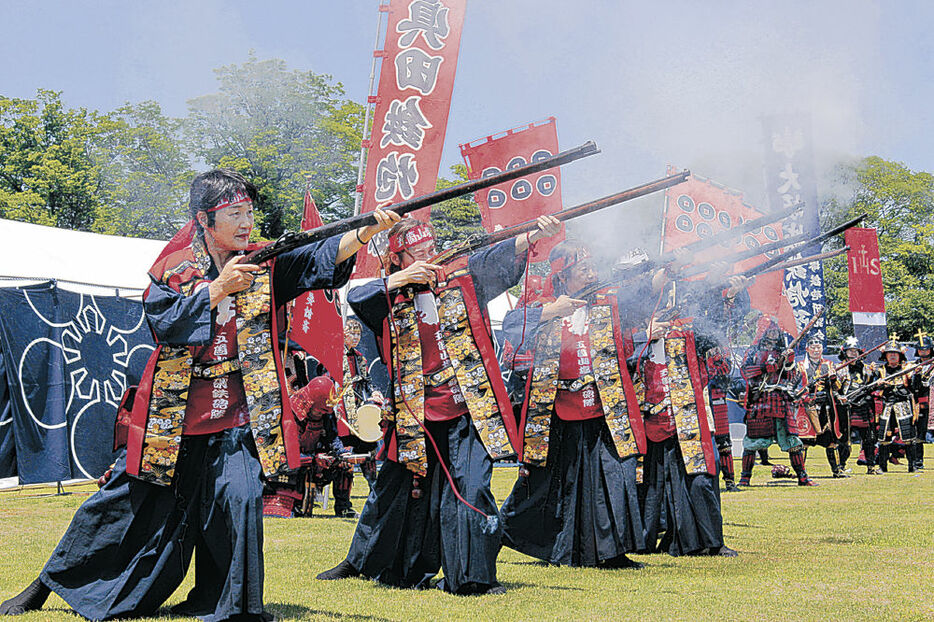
456	219
277	126
145	172
48	173
899	203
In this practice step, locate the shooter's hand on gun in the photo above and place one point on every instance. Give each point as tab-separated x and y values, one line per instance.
419	273
562	307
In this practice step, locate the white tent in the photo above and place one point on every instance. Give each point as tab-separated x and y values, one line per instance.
80	261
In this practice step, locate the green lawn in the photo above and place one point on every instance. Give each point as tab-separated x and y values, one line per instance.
850	549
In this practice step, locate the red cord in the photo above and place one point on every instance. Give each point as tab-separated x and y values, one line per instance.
395	355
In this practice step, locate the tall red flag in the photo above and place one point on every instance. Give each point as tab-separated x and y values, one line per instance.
699	208
316	317
416	80
526	198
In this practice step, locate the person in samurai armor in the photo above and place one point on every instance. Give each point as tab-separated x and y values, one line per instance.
899	408
921	385
821	403
575	502
719	366
681	502
432	506
210	419
772	381
860	411
356	392
321	448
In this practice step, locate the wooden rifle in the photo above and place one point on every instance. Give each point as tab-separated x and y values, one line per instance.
813	383
477	241
869	388
292	240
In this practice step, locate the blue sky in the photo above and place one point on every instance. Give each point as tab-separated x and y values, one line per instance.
652	83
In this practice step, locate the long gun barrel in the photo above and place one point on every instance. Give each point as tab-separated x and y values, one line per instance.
765	266
804	331
728	234
869	388
489	239
803	260
292	240
798	244
813	383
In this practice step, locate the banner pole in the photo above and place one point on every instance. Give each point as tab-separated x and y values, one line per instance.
361	162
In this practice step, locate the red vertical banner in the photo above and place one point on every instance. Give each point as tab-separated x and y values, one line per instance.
413	99
700	208
526	198
316	323
865	271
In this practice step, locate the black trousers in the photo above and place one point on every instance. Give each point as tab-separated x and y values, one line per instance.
582	507
681	511
403	541
129	545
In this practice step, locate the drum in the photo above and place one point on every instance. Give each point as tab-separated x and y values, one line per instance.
368	418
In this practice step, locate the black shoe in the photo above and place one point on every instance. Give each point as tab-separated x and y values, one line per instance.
30	599
621	562
494	590
266	616
723	551
731	486
347	513
343	570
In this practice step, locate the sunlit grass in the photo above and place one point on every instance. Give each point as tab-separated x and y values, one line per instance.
848	549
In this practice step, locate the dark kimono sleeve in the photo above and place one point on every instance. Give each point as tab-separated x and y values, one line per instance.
310	267
496	269
518	346
370	304
176	319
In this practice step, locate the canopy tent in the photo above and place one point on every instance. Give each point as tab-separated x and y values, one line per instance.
80	261
72	339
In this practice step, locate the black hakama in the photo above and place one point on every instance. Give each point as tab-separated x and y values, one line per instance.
129	545
681	511
582	508
403	541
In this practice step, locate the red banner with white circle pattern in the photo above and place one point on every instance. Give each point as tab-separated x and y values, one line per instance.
526	198
700	208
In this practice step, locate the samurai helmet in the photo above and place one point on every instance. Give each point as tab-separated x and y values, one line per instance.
850	343
892	346
925	343
768	333
315	399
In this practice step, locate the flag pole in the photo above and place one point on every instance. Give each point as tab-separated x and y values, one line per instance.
361	162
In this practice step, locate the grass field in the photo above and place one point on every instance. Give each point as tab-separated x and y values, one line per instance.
849	549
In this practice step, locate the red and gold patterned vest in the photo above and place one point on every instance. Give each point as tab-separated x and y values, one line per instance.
155	432
614	387
687	398
466	338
